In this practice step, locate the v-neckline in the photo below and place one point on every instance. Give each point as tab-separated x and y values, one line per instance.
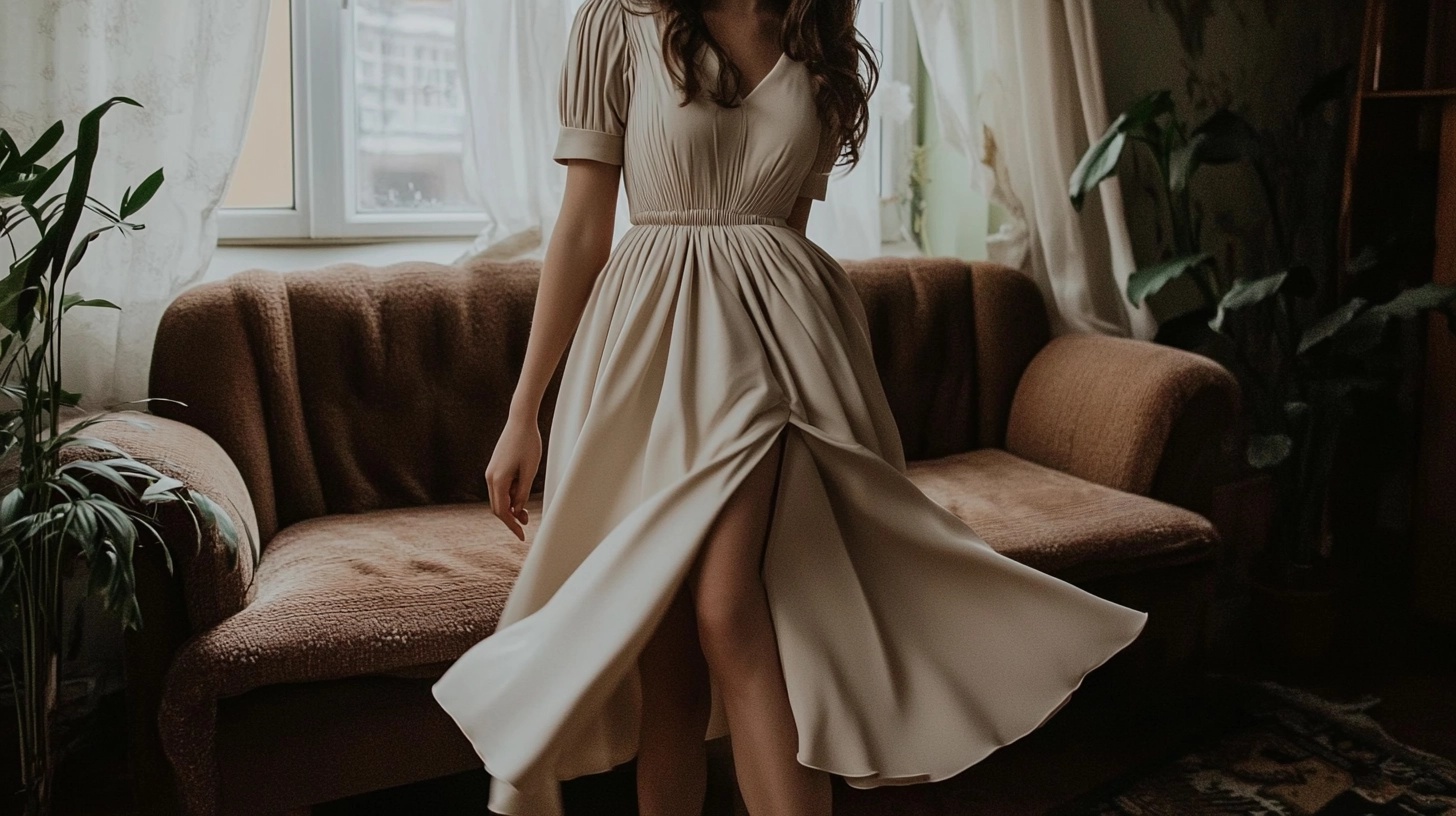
783	56
742	98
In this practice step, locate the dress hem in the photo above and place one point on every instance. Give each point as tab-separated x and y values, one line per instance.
856	780
916	779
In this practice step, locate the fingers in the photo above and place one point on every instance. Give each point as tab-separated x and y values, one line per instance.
498	488
518	500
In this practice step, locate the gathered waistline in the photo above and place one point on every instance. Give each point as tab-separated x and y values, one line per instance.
704	217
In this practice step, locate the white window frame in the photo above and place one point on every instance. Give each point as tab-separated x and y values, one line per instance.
899	61
321	37
253	223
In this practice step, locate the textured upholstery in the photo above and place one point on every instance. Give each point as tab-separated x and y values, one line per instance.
1058	523
214	586
356	388
344	595
950	346
1106	409
352	410
352	388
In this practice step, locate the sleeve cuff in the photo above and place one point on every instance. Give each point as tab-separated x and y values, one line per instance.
815	186
580	143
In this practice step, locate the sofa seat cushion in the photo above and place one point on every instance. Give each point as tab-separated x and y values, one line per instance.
1058	523
343	595
376	592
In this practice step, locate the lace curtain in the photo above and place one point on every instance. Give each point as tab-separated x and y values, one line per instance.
1018	84
511	66
193	66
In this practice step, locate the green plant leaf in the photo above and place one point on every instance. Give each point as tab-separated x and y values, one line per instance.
1246	292
93	443
1100	160
1096	165
1183	163
43	145
10	288
162	490
84	524
1268	450
80	251
70	398
1415	300
1327	326
11	189
215	517
131	202
1148	108
95	302
1149	280
9	152
10	507
56	241
1367	331
37	187
105	470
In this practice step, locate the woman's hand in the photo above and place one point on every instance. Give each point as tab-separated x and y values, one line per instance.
578	249
512	468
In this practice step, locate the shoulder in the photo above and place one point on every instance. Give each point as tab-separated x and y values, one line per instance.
609	26
608	17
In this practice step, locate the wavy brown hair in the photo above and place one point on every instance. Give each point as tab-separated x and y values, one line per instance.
818	33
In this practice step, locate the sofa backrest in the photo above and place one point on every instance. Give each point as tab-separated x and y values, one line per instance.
354	388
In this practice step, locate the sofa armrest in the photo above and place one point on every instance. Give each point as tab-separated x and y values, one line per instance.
1132	415
211	587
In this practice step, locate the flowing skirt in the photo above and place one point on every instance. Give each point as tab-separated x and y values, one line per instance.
910	648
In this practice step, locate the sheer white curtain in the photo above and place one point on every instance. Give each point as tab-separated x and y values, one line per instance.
512	56
193	66
1018	84
847	222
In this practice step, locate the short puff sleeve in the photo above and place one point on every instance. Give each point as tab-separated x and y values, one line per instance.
595	90
816	183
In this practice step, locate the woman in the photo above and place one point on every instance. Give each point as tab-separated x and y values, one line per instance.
728	541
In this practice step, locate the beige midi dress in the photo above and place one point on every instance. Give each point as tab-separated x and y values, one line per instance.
910	648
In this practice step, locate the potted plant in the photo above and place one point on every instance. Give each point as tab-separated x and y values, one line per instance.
1304	348
67	498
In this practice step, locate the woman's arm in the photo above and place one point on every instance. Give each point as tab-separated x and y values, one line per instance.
799	216
580	244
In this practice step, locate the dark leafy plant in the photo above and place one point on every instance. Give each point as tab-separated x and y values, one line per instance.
68	496
1301	352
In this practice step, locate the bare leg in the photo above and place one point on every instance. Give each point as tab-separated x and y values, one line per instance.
676	702
736	635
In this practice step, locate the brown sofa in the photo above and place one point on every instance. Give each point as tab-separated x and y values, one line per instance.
348	413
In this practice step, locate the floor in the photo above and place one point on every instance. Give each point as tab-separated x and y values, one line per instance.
1100	736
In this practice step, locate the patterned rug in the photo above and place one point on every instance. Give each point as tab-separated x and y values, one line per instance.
1285	752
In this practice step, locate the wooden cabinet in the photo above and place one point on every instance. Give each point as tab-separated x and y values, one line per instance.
1401	162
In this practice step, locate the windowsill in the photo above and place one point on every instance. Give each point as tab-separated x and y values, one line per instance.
285	255
901	249
231	258
294	243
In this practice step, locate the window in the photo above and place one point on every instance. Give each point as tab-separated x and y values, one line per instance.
358	127
359	124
